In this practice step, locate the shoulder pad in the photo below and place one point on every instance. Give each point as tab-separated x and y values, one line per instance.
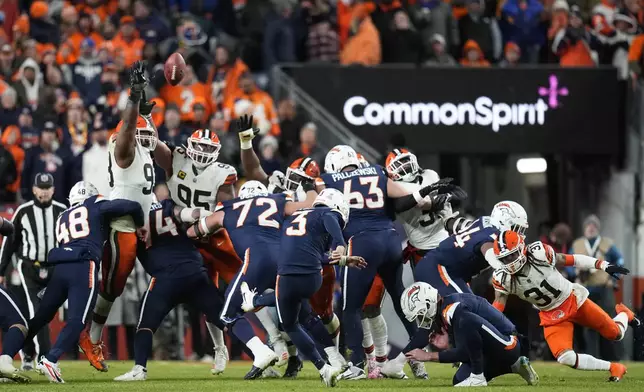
429	177
542	253
485	221
498	279
179	150
99	199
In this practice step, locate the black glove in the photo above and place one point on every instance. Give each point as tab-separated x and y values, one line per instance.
458	193
615	271
138	81
145	106
308	186
246	131
438	201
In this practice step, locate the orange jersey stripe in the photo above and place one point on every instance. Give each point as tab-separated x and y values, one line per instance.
442	275
231	179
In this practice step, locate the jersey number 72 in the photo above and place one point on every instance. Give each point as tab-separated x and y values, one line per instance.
264	219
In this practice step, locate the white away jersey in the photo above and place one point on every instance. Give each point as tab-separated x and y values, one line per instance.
424	231
134	183
190	187
539	282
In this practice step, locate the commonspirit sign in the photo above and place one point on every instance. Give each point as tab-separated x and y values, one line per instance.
473	110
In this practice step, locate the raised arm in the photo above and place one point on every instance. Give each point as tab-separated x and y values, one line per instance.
121	207
403	200
250	162
586	262
293	206
126	138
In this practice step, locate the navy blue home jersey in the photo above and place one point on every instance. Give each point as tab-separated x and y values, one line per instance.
455	304
171	251
306	239
366	191
81	230
461	253
254	221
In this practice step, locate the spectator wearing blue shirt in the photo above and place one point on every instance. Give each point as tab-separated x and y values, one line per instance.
600	285
151	25
521	23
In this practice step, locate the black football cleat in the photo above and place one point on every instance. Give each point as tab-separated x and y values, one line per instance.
293	368
254	373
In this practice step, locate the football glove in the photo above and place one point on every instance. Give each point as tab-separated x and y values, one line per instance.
616	271
138	81
145	106
247	131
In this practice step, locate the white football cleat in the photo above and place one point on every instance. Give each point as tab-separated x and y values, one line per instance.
526	371
266	358
270	372
220	361
474	380
353	373
7	371
394	369
138	373
330	375
279	346
51	370
27	364
247	297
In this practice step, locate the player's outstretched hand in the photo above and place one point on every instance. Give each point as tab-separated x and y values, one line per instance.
338	252
349	261
142	233
616	271
145	106
246	131
138	81
438	201
420	355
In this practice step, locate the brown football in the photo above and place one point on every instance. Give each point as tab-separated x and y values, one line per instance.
174	69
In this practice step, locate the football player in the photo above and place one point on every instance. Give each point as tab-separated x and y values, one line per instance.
131	177
13	324
178	276
254	222
80	233
306	237
370	194
530	272
449	267
485	341
197	180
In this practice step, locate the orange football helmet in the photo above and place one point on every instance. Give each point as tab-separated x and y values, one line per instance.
301	170
203	147
402	165
145	135
510	250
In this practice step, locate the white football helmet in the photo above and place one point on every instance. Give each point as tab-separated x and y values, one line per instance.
402	165
145	135
419	302
203	147
339	157
334	199
509	215
252	189
81	191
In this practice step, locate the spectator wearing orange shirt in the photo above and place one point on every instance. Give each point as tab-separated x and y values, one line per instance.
363	44
222	77
41	29
84	30
127	42
254	101
473	55
186	93
11	141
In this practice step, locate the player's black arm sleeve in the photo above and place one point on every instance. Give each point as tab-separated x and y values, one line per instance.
120	207
9	245
402	204
332	226
6	227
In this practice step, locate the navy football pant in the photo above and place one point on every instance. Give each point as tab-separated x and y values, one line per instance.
482	348
429	270
165	293
13	324
77	283
292	293
258	271
383	252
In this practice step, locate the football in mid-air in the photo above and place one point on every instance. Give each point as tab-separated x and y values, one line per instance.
174	69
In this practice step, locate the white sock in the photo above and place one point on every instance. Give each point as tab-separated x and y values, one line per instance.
256	346
269	325
622	322
102	308
588	362
216	334
379	333
334	356
333	327
367	339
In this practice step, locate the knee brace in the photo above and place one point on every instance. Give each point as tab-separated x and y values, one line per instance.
370	311
568	358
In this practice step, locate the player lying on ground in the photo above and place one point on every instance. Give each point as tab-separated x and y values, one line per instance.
485	341
131	177
179	276
306	237
13	324
449	267
531	274
80	232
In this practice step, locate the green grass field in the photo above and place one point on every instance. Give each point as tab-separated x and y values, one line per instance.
193	376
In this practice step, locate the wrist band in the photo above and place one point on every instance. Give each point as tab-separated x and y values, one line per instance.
417	197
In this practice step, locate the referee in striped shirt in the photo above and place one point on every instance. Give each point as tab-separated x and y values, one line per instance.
28	247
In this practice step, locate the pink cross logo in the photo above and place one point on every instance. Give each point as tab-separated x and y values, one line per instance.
553	91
